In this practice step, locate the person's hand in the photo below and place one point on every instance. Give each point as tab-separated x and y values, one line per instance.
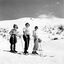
26	36
39	40
19	36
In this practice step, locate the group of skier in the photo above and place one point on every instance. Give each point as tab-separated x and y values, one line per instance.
26	37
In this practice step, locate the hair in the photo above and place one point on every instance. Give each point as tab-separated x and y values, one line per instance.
27	24
36	27
15	26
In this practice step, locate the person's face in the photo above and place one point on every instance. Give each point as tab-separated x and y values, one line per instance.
16	27
36	28
27	25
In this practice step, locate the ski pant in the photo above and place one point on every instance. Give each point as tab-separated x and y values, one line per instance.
13	41
26	40
35	44
13	47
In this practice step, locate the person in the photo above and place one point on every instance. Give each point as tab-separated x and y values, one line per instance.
13	38
26	37
39	44
35	36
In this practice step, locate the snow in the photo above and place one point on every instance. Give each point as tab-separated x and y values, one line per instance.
52	50
49	57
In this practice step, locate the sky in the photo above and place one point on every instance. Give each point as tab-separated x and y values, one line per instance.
14	9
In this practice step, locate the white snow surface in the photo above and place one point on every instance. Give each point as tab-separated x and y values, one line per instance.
52	50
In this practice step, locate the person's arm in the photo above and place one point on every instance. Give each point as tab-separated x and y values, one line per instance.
34	34
17	33
24	31
10	32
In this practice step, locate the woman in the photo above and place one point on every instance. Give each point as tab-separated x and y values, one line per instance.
13	38
35	36
26	37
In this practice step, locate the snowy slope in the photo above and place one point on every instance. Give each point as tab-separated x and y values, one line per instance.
52	49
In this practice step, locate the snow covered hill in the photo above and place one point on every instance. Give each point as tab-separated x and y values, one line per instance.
52	41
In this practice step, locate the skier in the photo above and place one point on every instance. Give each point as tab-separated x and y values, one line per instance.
26	37
35	36
13	38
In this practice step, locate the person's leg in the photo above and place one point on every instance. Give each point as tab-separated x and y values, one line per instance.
35	47
11	44
25	40
14	47
28	40
11	48
26	46
15	41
